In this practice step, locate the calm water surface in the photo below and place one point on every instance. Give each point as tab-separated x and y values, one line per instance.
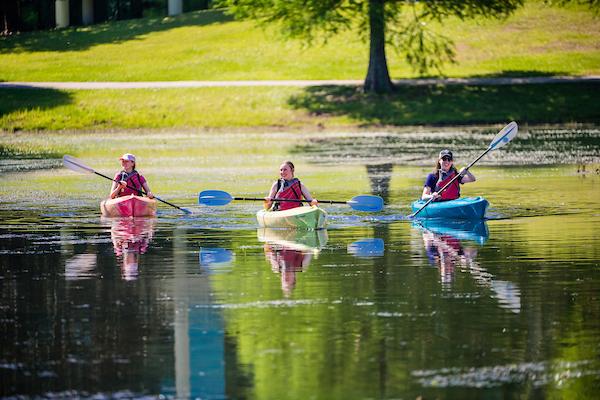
377	306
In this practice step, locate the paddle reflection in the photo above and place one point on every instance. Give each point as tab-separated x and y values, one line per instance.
131	238
81	266
367	248
290	251
452	245
215	259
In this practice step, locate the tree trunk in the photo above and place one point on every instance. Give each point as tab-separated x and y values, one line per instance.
137	9
378	77
10	11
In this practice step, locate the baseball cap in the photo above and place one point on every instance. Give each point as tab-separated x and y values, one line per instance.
128	157
445	152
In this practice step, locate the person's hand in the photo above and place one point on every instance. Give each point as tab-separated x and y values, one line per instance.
463	171
267	203
435	195
314	202
123	184
150	195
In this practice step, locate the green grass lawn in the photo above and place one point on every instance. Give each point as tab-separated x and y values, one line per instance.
286	108
536	41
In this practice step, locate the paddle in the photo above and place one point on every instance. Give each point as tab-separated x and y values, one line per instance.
503	137
361	203
78	166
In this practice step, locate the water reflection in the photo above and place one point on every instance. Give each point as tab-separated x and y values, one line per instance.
367	248
451	246
215	259
131	238
81	266
290	251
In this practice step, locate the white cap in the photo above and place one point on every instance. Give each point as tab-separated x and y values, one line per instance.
128	157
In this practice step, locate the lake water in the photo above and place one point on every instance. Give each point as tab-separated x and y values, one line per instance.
207	305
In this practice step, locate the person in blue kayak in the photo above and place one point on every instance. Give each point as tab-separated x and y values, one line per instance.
128	176
443	173
288	187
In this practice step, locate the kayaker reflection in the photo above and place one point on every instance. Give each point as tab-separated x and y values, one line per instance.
443	173
446	252
131	238
288	187
287	262
129	179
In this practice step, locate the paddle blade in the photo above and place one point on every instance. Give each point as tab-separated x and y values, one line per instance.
214	198
76	165
367	203
504	136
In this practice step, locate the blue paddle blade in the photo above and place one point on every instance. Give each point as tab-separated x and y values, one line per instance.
367	203
214	198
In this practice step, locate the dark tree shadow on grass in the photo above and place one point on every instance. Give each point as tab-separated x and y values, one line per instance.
82	38
456	104
15	100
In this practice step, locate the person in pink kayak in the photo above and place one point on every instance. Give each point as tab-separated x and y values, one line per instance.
444	172
288	187
129	178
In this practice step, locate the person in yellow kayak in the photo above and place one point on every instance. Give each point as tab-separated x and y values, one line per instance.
443	173
128	176
288	187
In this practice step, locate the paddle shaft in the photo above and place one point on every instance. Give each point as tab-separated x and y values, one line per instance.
142	191
452	180
292	200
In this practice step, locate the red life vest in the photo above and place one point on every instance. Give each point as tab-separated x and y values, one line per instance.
133	180
293	191
453	191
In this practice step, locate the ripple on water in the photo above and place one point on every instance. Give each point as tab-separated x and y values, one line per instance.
536	373
533	146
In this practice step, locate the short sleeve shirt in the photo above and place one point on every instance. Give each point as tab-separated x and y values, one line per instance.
431	181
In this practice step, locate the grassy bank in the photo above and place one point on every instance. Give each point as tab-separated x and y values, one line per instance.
296	108
537	40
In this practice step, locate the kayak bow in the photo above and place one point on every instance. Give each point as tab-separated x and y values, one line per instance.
128	206
297	217
463	208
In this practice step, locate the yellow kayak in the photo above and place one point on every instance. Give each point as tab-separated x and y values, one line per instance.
299	217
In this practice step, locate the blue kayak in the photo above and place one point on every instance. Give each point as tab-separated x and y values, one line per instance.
463	208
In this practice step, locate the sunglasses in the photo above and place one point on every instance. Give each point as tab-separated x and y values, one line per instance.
446	158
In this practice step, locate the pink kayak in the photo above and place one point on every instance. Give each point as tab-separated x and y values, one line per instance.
128	206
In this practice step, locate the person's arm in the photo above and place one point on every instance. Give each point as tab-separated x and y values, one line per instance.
271	196
147	190
427	194
466	176
307	196
116	187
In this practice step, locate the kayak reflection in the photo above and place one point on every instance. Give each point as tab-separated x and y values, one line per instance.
469	230
291	251
452	245
131	238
